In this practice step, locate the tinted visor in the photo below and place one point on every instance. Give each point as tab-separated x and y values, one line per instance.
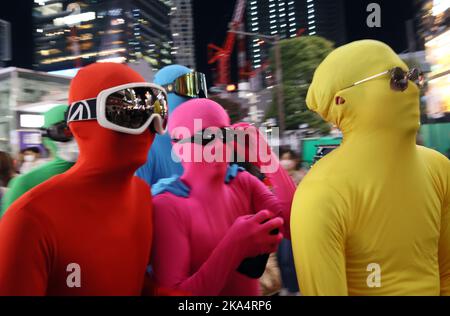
206	136
192	85
133	107
59	132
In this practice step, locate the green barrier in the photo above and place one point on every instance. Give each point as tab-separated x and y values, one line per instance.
309	147
437	137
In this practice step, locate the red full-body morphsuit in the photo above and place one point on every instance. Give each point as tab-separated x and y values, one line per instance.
97	215
200	240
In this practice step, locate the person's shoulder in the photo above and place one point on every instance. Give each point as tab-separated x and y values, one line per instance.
19	181
43	190
167	199
243	181
170	205
38	174
433	156
140	183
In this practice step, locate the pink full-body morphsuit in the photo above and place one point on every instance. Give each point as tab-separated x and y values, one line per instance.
199	241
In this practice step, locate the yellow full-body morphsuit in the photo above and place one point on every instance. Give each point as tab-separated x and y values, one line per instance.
373	216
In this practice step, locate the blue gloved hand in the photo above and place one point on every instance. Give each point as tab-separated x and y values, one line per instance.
173	185
232	172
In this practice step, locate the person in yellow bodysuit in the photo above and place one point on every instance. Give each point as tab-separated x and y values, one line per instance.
373	216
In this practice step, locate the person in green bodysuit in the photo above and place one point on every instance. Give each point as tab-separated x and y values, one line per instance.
64	156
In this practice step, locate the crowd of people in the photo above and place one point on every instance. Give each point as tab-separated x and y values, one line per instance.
151	190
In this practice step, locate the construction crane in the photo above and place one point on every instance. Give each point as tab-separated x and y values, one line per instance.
222	55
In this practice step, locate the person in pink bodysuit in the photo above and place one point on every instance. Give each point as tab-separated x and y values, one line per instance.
200	241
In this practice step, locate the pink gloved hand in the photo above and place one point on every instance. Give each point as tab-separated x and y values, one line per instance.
252	234
255	150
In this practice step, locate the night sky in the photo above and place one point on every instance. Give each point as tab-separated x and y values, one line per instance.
211	18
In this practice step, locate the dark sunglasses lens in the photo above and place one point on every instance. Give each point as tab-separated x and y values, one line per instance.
132	108
413	74
59	132
417	77
208	136
399	81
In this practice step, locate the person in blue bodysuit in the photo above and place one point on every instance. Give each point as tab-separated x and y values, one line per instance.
182	84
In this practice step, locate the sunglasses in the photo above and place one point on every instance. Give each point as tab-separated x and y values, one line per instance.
131	108
399	78
207	136
59	132
191	85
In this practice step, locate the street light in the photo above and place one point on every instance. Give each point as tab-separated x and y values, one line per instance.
275	41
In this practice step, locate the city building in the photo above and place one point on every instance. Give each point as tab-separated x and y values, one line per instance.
289	18
70	34
182	27
5	41
24	96
434	29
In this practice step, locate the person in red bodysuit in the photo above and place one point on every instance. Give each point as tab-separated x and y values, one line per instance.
87	231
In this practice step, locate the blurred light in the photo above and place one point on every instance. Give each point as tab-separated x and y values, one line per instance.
118	21
231	87
75	19
440	6
31	120
41	2
65	72
118	60
38	108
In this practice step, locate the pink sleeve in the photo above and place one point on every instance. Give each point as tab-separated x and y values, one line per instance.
280	200
171	254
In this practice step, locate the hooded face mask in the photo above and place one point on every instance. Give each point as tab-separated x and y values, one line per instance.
191	118
101	149
366	108
67	151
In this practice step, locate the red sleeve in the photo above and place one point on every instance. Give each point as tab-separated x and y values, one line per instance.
24	254
172	254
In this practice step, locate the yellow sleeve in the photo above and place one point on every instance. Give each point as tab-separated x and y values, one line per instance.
444	251
318	239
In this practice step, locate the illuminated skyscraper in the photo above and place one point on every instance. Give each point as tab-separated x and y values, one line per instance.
71	34
290	18
182	27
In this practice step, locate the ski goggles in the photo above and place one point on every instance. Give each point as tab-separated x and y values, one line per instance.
208	135
59	132
130	108
191	85
399	78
